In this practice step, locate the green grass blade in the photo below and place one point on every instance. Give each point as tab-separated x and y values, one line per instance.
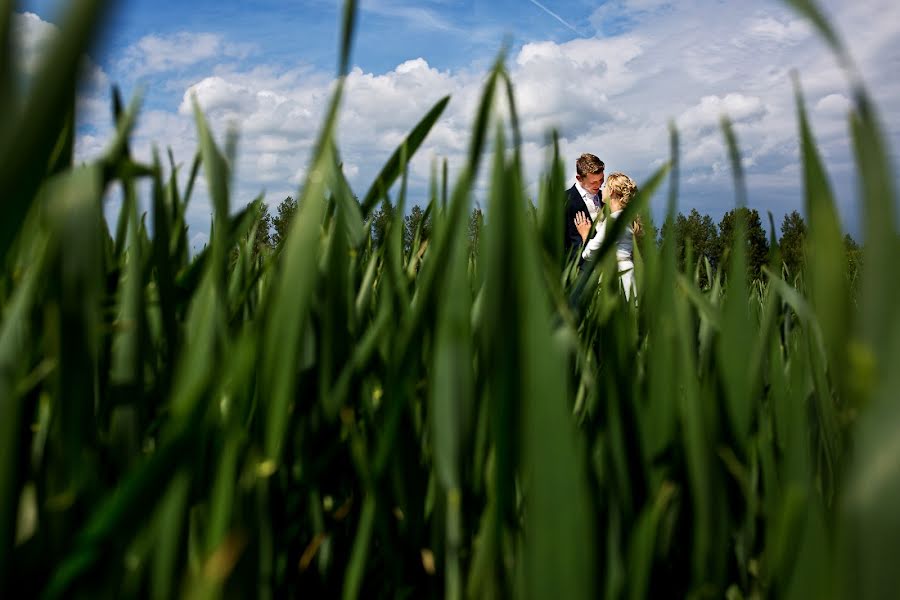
125	122
392	168
870	529
812	12
500	344
217	178
452	397
348	24
291	296
7	59
550	215
61	156
192	177
121	512
15	331
878	294
26	145
827	282
170	526
128	342
162	260
482	117
356	566
736	325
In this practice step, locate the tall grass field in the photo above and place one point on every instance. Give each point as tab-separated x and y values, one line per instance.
444	417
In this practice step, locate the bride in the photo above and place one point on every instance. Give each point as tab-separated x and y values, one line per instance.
617	192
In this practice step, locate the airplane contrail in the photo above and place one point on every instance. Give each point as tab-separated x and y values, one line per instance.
555	16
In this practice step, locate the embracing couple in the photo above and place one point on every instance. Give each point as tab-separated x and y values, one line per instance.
585	220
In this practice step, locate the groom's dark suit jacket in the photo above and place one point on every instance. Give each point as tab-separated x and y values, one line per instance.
574	205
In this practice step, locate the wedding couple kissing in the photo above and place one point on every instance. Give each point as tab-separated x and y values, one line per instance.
586	224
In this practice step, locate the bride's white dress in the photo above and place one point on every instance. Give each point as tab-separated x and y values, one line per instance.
624	252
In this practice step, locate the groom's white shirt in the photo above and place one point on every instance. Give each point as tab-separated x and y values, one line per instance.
593	209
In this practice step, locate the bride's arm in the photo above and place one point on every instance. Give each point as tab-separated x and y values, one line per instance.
594	244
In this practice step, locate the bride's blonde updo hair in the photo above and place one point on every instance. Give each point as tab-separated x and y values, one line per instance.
623	188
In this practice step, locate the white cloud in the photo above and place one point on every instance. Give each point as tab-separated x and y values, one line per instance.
616	13
643	5
267	161
611	95
418	16
157	54
216	94
833	105
89	145
31	36
198	241
708	113
768	28
31	40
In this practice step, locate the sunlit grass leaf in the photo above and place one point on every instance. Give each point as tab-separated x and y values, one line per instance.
128	342
348	25
550	214
878	295
825	254
870	528
218	181
170	523
392	168
452	398
291	295
736	325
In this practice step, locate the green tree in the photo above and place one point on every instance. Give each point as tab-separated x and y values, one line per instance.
282	220
699	232
262	231
757	244
793	236
380	219
854	261
476	223
415	220
263	239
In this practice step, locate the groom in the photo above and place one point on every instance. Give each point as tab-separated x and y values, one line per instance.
584	197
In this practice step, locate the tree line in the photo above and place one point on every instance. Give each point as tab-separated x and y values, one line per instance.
271	228
697	237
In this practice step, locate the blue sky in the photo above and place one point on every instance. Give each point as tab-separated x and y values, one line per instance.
610	76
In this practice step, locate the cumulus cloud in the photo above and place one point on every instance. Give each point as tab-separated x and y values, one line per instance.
31	36
31	39
833	104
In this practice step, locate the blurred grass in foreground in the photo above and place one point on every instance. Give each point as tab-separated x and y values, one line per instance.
428	419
